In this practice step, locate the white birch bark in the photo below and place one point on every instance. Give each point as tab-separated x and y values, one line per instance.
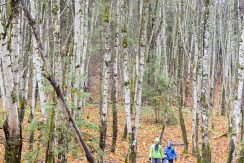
206	154
126	84
2	85
106	74
84	51
195	95
33	95
56	32
142	50
164	37
11	94
26	86
117	49
15	53
38	65
77	48
236	115
205	88
105	77
40	79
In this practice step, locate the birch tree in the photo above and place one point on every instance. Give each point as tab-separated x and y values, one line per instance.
204	97
196	84
2	86
84	52
77	48
114	96
143	13
126	81
236	115
11	125
106	75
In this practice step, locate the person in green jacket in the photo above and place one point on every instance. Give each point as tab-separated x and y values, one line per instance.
156	152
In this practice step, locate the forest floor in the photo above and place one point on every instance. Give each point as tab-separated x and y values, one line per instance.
149	130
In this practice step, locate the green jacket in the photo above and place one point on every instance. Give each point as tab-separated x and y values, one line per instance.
154	153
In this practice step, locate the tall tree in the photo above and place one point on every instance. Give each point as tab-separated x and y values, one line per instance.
204	97
106	75
115	79
11	125
236	115
143	15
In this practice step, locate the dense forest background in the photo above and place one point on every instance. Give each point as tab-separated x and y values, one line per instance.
99	80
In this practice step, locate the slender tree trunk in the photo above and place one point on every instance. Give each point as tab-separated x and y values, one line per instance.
204	97
237	103
196	89
114	107
180	100
126	81
115	80
77	48
3	94
106	75
84	53
49	149
241	159
143	12
33	107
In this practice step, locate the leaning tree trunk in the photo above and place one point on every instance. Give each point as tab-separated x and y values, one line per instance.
51	78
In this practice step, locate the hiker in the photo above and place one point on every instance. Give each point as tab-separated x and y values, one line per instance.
170	152
156	152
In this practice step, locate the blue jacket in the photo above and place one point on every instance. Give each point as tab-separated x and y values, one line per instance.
170	153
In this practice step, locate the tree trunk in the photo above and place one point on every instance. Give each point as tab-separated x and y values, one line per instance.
11	124
115	80
77	48
241	159
180	100
3	94
204	97
126	81
143	15
196	80
84	54
49	149
106	75
237	103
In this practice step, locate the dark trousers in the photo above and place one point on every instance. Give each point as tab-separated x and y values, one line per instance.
156	160
171	161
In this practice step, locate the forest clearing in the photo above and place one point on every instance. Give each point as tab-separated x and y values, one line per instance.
122	81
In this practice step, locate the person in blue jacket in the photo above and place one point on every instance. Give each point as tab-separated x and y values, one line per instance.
170	152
